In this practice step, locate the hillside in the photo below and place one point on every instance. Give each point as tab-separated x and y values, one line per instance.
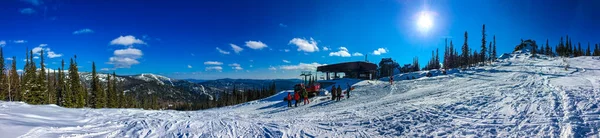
518	96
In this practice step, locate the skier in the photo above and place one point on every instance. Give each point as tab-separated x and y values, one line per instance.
289	99
305	94
297	98
391	80
339	92
348	90
333	93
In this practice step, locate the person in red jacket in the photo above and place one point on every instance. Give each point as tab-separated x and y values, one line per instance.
391	80
289	99
297	98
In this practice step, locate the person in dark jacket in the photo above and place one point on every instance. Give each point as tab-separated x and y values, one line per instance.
348	90
297	98
339	93
333	93
289	99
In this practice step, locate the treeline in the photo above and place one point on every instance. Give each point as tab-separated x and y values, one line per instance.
44	86
568	49
235	96
452	58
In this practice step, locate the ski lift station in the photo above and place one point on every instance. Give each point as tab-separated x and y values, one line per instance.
357	70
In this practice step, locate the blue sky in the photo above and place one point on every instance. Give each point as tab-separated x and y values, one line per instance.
278	38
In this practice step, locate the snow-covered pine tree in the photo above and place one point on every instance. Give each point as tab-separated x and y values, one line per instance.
483	48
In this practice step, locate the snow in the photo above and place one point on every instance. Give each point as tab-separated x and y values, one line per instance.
519	96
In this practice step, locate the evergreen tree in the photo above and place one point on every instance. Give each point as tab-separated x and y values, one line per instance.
596	51
579	52
548	49
490	52
118	94
110	94
483	43
588	51
494	51
3	78
465	52
42	86
437	59
78	92
98	98
533	49
14	85
32	88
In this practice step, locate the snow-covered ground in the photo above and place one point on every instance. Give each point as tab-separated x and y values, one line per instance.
517	97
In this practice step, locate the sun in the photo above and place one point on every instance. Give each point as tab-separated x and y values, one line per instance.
424	21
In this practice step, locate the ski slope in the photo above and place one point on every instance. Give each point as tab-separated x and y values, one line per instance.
516	97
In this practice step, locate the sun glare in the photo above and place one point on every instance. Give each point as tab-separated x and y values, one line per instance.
424	21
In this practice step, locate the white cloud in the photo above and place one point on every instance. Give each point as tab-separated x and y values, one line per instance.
213	63
126	41
125	58
286	50
356	54
343	52
27	11
286	61
214	68
234	65
305	45
129	52
326	48
236	49
36	57
282	25
380	51
256	44
49	53
106	69
190	66
272	68
19	41
2	43
222	51
84	31
302	66
9	59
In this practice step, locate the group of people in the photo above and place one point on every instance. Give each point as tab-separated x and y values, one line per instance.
336	93
296	97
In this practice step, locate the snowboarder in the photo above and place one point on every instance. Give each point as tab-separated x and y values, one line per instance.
339	92
348	91
297	98
289	99
333	92
305	94
391	80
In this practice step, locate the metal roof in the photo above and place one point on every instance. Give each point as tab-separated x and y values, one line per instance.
358	66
